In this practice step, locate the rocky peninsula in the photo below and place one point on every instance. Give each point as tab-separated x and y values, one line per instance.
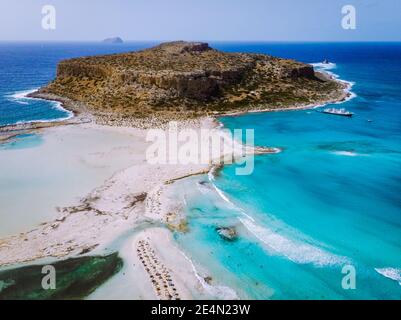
184	80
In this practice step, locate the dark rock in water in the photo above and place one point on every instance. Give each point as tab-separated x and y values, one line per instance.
227	233
113	40
208	279
75	278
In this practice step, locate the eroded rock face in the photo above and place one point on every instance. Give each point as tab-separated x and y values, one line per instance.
188	77
82	70
299	72
200	83
179	47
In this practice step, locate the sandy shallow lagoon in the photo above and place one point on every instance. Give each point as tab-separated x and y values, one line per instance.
56	167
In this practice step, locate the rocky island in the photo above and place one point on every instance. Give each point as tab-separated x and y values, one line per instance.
113	40
179	80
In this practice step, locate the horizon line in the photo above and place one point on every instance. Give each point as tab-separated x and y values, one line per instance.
228	41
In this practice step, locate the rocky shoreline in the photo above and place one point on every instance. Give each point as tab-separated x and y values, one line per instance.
83	115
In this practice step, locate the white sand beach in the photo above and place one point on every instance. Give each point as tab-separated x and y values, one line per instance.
128	212
65	164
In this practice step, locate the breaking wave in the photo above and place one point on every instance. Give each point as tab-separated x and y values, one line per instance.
21	97
275	243
296	251
221	292
390	273
326	67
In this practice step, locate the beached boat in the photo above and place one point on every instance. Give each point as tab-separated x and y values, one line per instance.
338	112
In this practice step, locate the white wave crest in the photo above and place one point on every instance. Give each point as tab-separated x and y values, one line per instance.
390	273
220	292
325	67
296	251
230	203
21	97
211	174
346	153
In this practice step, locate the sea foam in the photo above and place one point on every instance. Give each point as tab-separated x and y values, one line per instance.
21	97
296	251
218	291
326	67
345	153
231	204
275	243
390	273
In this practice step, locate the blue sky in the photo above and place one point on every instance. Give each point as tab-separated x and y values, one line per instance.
230	20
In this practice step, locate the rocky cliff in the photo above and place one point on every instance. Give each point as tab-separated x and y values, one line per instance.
187	79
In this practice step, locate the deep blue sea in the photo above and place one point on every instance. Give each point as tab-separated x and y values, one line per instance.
331	199
25	67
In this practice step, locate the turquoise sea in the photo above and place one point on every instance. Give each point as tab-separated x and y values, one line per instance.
331	198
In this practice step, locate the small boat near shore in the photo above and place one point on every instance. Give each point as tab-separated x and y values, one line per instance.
338	112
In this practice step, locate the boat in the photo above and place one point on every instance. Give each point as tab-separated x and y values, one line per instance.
338	112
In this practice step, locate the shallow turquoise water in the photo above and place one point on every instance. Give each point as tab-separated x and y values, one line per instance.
56	168
22	141
331	198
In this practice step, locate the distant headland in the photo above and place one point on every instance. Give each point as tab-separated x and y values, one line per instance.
113	40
